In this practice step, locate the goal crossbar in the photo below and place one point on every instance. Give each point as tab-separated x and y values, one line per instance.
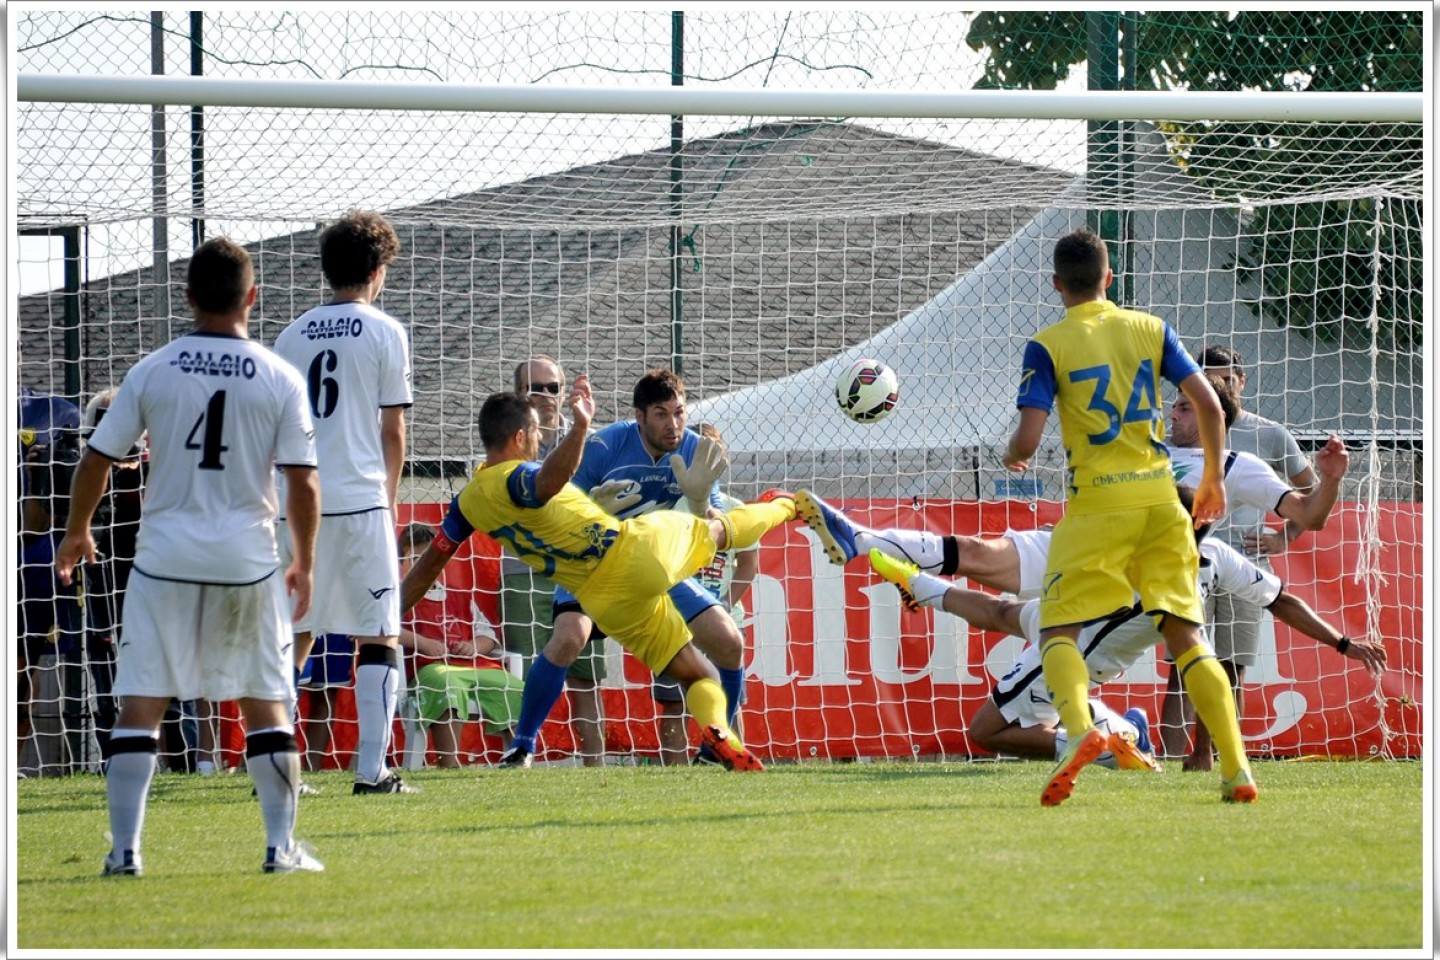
985	104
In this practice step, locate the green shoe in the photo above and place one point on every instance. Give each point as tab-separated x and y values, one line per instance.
897	572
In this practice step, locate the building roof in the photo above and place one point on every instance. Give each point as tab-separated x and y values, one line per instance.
797	240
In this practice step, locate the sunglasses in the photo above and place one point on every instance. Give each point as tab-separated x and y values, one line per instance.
551	387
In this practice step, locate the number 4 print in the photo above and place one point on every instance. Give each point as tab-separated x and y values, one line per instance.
211	424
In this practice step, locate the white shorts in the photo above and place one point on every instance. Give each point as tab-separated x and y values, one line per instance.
357	576
1109	648
205	641
1034	549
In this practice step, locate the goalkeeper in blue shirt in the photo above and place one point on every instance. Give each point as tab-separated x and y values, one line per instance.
635	468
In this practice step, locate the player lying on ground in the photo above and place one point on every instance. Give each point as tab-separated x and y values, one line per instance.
1019	717
619	570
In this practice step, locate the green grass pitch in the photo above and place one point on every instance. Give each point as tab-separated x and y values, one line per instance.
900	855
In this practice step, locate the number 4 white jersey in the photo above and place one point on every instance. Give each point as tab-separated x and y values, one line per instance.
354	359
221	413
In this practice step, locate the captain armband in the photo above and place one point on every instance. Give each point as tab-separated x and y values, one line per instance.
444	544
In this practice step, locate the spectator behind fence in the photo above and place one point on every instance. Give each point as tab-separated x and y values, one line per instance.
50	623
329	669
454	647
527	597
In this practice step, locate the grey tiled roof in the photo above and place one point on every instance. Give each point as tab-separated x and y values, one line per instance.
797	240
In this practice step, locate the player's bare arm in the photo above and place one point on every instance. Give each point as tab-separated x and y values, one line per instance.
1210	423
1311	511
1292	611
1026	438
392	443
302	513
560	466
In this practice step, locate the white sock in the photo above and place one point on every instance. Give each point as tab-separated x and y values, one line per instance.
1106	759
925	550
1111	722
127	787
277	786
376	686
929	590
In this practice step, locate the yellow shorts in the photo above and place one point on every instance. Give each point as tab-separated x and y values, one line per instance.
626	592
1099	561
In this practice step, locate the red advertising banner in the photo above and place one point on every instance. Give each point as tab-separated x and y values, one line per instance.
837	668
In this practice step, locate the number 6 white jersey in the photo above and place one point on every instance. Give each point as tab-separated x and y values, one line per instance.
354	360
222	413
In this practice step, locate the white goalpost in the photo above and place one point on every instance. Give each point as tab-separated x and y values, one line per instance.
758	240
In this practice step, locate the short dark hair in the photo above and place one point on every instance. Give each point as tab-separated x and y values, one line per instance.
355	246
415	536
1219	355
1081	260
1229	403
501	417
538	358
658	386
220	276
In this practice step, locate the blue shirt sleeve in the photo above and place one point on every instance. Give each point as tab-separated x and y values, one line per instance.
593	461
1037	378
521	485
455	527
1176	364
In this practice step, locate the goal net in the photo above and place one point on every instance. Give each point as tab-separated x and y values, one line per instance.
757	252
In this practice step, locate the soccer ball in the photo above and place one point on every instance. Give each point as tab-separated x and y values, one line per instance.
867	391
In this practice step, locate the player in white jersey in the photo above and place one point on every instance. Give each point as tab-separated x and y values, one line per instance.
355	360
1249	483
1249	480
1020	717
205	613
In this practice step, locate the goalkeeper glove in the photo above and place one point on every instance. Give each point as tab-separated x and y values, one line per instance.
698	479
613	496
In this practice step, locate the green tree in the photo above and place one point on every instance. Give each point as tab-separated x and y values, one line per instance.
1322	265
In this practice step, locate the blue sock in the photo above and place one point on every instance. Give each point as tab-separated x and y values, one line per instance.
733	683
543	687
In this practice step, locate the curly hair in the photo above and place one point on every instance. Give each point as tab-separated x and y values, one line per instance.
355	246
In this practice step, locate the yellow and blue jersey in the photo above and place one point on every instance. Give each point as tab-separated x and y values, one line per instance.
1101	367
563	538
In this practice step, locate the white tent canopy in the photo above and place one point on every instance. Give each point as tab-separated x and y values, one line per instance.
958	356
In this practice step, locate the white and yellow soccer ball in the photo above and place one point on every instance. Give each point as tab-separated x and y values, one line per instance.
867	391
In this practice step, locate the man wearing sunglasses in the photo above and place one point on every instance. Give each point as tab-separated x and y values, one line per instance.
527	597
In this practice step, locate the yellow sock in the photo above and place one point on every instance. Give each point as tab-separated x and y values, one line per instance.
1069	681
1209	689
706	701
746	524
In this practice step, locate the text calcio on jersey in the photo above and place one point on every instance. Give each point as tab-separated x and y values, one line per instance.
333	328
215	364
